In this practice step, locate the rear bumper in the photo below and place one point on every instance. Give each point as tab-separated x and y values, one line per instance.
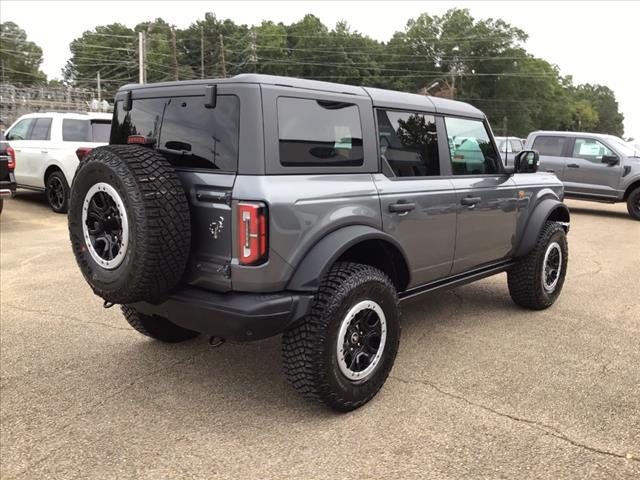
234	316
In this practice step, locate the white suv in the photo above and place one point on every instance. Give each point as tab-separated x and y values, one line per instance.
48	146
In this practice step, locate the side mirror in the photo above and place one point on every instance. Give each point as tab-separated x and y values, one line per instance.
610	160
526	161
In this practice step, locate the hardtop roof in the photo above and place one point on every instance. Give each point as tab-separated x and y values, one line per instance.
379	97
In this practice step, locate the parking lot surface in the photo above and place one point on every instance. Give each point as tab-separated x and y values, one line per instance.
480	388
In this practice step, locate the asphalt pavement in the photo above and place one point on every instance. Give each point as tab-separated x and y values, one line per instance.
480	388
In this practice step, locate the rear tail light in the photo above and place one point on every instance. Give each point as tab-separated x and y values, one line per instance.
82	153
252	233
12	158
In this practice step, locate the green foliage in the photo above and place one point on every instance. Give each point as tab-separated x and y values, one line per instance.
482	62
21	58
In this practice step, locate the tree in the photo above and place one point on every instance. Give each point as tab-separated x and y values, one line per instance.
20	58
603	102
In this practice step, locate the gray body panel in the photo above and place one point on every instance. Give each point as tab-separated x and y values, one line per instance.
316	213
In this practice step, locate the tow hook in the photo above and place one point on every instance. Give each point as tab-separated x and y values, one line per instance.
108	304
215	342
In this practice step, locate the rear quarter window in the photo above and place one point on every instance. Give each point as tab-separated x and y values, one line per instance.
318	133
551	146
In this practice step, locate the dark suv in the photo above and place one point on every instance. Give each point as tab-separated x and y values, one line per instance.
7	169
256	205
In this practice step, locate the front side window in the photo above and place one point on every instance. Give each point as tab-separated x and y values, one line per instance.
20	130
549	146
590	149
198	137
472	152
318	133
409	143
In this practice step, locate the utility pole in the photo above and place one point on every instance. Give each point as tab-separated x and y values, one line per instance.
201	52
224	65
253	58
99	87
505	124
174	54
142	58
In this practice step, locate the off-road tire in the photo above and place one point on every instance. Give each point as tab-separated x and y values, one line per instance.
157	328
1	204
61	206
525	277
309	348
158	217
633	203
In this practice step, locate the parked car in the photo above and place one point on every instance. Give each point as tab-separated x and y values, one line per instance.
251	206
48	146
591	166
509	147
7	177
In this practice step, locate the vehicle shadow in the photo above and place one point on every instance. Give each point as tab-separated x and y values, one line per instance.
249	377
31	197
601	213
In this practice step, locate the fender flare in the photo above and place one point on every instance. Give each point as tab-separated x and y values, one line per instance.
541	213
323	255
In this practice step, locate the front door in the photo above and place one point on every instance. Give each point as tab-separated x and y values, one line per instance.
486	198
418	205
586	174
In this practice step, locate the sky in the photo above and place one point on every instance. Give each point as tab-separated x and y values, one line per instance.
595	42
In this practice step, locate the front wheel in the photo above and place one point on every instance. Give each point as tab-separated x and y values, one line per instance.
536	281
633	203
57	190
343	351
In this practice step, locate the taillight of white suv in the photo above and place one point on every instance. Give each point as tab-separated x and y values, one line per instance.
252	233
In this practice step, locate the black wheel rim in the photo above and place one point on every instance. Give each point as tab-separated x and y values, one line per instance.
105	225
55	192
361	340
552	267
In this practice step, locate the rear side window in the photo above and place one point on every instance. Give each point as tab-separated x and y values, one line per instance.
41	129
472	152
78	130
409	143
186	132
550	146
199	137
318	133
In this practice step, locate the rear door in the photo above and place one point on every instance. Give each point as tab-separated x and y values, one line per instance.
486	198
552	150
585	173
202	144
418	205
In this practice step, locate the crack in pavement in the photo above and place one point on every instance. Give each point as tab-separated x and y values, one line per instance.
546	429
95	406
65	317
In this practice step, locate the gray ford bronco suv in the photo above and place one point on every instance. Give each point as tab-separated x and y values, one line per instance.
251	206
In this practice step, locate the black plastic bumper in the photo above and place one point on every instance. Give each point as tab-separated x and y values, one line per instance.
235	316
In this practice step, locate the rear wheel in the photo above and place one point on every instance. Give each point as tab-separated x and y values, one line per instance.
343	351
157	328
57	190
633	203
536	281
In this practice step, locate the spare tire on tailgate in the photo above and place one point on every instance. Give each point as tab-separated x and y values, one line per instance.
129	223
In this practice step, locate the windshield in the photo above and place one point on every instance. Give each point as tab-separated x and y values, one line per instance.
623	146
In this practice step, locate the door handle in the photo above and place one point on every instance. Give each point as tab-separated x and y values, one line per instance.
573	165
44	151
550	171
402	207
471	201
